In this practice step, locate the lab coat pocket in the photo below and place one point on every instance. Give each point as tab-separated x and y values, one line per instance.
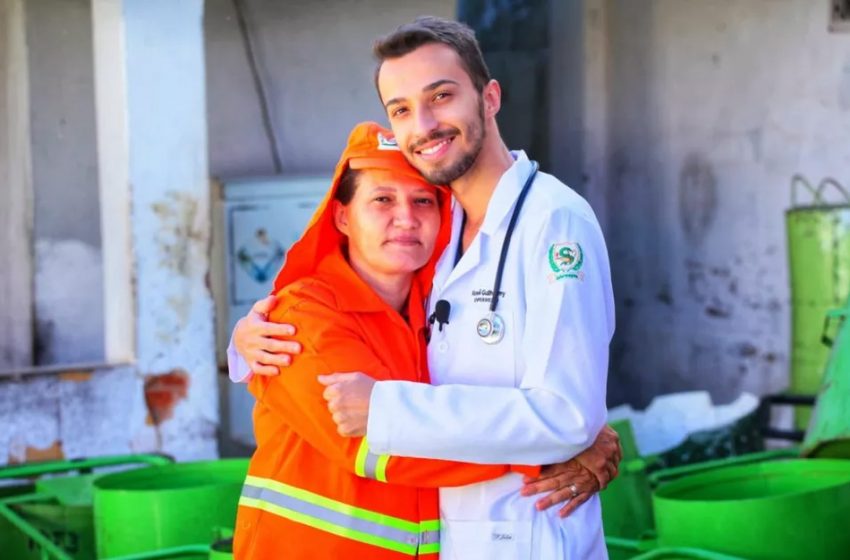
489	540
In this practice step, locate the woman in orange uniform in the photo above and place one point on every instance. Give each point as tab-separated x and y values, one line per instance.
355	283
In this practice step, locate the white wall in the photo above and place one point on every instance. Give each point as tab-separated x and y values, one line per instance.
315	59
712	106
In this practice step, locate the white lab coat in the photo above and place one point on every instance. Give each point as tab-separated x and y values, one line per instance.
536	397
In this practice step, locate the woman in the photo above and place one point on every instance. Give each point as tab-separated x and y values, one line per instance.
356	283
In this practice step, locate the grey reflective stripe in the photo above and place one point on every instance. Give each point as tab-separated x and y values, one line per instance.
429	537
370	467
340	523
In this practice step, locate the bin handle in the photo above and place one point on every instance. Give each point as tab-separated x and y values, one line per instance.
816	192
797	180
838	186
27	470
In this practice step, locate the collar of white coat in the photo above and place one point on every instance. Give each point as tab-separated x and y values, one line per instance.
506	192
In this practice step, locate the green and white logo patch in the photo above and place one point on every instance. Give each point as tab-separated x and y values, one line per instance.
385	143
566	260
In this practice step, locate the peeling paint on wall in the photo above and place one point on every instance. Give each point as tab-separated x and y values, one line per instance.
162	393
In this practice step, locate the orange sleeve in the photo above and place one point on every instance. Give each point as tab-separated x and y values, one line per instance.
331	343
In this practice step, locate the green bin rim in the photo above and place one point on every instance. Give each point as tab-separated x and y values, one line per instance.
667	492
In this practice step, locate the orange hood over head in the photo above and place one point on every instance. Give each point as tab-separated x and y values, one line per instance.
369	146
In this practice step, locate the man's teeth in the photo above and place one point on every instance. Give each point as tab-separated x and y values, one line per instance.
435	148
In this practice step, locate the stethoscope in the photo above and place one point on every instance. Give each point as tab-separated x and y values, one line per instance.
491	328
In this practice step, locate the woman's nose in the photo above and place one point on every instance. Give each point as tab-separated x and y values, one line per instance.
404	215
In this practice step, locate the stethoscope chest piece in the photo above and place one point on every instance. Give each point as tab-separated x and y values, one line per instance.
491	328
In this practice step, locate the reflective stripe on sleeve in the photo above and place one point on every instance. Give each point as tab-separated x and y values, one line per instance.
340	519
370	465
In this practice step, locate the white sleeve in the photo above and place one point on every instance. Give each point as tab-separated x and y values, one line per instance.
237	368
559	407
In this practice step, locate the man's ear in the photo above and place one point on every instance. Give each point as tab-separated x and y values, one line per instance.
340	217
492	95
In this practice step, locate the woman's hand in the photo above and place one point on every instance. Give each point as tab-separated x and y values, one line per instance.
576	480
348	397
569	483
256	340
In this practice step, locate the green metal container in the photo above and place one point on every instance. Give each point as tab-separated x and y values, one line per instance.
773	510
52	517
627	502
828	434
163	507
222	550
819	263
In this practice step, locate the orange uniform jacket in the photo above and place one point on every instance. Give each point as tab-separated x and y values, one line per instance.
311	493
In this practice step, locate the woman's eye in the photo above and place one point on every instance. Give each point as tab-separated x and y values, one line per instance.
425	201
382	199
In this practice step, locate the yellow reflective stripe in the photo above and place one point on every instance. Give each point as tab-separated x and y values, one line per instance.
381	468
353	511
360	461
429	525
341	531
432	548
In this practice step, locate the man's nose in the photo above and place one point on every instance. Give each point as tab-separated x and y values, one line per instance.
425	122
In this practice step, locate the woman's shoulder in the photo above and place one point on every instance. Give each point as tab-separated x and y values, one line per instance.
312	298
311	293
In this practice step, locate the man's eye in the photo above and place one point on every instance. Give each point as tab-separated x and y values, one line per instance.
425	201
442	95
398	112
382	199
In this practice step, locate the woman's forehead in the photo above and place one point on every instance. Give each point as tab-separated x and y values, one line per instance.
377	178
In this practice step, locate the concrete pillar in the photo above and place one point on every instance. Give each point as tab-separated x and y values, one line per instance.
16	314
153	148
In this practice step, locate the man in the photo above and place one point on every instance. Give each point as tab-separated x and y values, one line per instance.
523	383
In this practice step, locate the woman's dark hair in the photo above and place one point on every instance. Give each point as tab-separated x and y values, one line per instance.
347	186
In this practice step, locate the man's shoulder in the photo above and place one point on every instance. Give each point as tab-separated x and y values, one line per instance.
550	200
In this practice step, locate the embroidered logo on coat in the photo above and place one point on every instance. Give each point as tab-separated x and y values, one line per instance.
566	260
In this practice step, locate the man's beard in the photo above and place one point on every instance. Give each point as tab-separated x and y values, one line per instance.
475	133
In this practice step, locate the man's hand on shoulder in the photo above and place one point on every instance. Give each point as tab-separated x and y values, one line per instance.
259	342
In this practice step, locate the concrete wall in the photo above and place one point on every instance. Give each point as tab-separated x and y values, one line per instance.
712	106
315	61
67	256
167	400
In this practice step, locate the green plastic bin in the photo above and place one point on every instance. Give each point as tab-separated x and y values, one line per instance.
828	435
627	501
774	510
819	271
163	507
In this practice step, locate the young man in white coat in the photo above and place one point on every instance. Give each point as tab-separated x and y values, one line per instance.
523	383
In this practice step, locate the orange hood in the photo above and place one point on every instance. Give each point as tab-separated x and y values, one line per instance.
370	146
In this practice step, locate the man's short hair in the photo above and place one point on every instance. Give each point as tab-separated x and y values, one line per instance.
427	30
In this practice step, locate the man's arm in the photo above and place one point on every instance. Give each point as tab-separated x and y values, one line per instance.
330	343
253	348
559	407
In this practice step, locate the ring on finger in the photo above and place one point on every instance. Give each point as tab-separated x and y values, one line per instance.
574	490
